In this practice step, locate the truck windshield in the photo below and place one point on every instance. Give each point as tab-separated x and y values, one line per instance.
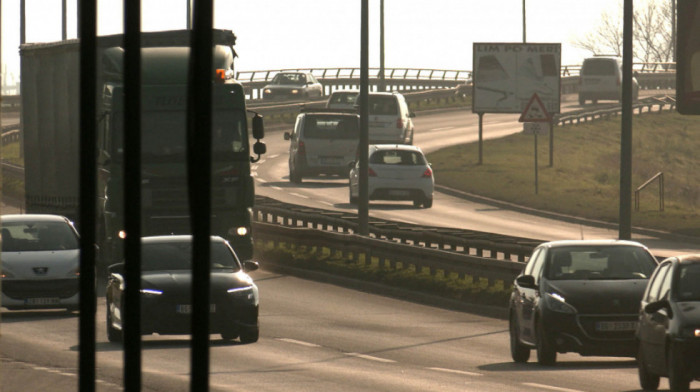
163	133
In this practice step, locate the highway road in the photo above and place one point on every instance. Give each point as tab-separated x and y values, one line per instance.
325	337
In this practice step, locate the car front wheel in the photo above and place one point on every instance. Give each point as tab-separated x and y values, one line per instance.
546	354
647	380
518	351
113	335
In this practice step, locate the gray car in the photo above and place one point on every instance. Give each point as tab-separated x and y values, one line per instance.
293	86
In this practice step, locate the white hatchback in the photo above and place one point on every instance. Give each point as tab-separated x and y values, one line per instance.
40	262
396	172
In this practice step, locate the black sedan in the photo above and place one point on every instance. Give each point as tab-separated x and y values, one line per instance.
166	279
579	296
669	325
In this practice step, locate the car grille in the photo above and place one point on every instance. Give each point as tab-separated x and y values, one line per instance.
589	322
20	289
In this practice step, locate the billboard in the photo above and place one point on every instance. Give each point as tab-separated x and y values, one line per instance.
506	75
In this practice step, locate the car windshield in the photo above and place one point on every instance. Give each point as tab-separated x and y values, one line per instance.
605	263
383	105
397	157
332	127
295	79
38	236
166	256
688	287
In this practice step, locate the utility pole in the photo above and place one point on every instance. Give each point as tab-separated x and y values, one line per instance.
626	137
382	81
524	24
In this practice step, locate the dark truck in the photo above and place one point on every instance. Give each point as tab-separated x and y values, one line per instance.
50	129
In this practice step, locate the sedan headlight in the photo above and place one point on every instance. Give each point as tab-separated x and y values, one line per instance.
690	332
557	303
150	293
248	293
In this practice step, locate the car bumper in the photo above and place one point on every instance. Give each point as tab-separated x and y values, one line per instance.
390	189
40	294
581	334
164	319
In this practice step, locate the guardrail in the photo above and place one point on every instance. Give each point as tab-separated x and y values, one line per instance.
645	105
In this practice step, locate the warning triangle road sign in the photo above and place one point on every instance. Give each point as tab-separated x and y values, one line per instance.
535	111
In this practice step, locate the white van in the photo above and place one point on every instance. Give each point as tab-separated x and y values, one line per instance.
322	142
390	121
601	78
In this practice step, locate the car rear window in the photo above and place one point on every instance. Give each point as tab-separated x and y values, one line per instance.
688	287
397	157
289	78
598	67
606	262
37	236
331	127
164	256
383	105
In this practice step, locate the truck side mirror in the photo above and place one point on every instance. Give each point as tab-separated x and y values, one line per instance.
258	127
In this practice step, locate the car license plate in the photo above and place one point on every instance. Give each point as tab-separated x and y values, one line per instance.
187	309
42	301
613	326
398	193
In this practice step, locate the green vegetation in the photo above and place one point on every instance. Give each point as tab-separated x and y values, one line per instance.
406	277
584	180
9	186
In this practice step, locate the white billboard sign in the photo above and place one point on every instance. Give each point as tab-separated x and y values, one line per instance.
506	75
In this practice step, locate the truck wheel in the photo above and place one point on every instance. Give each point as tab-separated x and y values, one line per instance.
250	335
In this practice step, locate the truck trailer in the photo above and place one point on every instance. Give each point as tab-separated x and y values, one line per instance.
51	138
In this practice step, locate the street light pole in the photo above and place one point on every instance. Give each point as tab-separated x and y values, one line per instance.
382	82
524	25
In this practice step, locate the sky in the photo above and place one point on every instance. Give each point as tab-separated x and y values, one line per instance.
276	34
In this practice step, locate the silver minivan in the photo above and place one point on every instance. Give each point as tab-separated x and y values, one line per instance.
322	142
390	120
601	78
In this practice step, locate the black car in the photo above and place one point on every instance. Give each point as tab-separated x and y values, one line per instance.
669	325
166	279
579	296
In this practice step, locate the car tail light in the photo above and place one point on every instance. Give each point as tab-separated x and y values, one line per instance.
371	173
427	173
617	80
302	148
399	123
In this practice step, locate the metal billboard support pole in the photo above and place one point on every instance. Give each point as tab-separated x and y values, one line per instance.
363	199
626	137
382	81
481	137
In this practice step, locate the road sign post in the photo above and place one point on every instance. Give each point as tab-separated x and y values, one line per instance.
536	121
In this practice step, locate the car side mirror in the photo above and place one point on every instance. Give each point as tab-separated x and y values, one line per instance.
258	127
287	136
250	265
654	307
116	269
526	281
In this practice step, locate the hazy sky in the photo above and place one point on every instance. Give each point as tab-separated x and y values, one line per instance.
274	34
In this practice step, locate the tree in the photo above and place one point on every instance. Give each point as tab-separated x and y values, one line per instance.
653	33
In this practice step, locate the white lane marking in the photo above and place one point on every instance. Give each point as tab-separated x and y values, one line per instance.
260	162
261	180
298	195
549	387
276	188
299	342
462	372
273	156
327	203
441	129
370	358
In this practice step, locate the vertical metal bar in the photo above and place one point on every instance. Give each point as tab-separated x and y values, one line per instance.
199	113
551	144
382	82
363	199
536	172
524	25
481	137
132	194
625	229
88	192
22	22
64	28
